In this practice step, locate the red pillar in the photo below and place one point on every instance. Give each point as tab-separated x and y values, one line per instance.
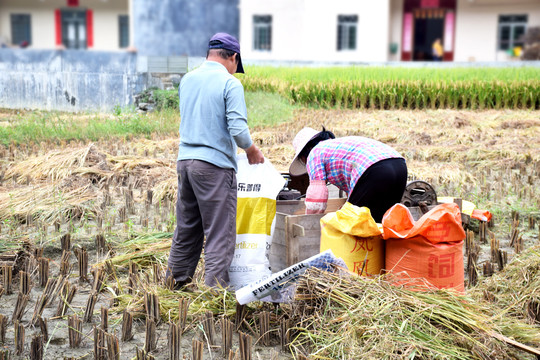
58	26
89	28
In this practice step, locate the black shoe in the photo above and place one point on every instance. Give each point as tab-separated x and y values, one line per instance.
179	285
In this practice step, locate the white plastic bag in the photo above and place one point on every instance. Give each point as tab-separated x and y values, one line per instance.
274	288
258	187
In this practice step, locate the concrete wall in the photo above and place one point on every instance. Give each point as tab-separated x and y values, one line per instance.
477	26
307	30
181	27
68	80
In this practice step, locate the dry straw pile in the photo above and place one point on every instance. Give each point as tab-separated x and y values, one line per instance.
73	182
352	317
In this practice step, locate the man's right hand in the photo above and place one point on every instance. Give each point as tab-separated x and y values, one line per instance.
254	155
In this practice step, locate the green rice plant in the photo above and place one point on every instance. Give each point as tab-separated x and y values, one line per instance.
410	97
474	94
338	95
408	88
401	95
381	97
277	75
363	97
498	94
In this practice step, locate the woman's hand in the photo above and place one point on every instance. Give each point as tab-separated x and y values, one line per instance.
316	197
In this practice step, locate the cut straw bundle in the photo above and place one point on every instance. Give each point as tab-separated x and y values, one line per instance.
203	299
166	189
54	165
128	163
144	250
47	203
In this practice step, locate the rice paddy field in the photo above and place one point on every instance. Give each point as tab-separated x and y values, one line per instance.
401	88
87	214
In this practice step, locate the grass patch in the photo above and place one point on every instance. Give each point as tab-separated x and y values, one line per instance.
166	99
266	109
40	126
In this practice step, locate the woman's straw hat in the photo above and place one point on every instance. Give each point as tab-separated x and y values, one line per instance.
299	142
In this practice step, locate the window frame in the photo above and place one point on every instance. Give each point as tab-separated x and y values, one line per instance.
123	31
78	17
15	19
262	32
346	24
512	22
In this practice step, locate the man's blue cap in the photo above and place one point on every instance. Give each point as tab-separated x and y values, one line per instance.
227	42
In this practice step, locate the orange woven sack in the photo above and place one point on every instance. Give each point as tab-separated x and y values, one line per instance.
426	253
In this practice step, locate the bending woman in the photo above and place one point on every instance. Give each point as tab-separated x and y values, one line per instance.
373	174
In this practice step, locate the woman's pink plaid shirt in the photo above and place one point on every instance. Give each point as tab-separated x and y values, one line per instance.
342	161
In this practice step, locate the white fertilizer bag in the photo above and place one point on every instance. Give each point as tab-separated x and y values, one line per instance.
274	288
258	187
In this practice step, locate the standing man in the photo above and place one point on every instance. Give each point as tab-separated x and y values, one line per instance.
213	123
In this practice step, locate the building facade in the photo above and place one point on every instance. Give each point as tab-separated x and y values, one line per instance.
384	30
278	30
70	24
315	30
153	28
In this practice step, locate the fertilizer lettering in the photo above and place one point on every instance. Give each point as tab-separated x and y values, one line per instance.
275	282
249	187
362	244
439	231
247	245
274	285
441	266
360	267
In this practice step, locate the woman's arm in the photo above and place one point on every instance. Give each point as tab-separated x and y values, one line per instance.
316	197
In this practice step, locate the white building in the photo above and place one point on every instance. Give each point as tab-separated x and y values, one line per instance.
153	27
289	30
383	30
75	24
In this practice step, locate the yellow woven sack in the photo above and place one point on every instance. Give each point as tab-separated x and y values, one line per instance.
353	235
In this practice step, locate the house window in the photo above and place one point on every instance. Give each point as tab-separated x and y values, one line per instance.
21	31
74	29
511	31
262	32
123	27
347	25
